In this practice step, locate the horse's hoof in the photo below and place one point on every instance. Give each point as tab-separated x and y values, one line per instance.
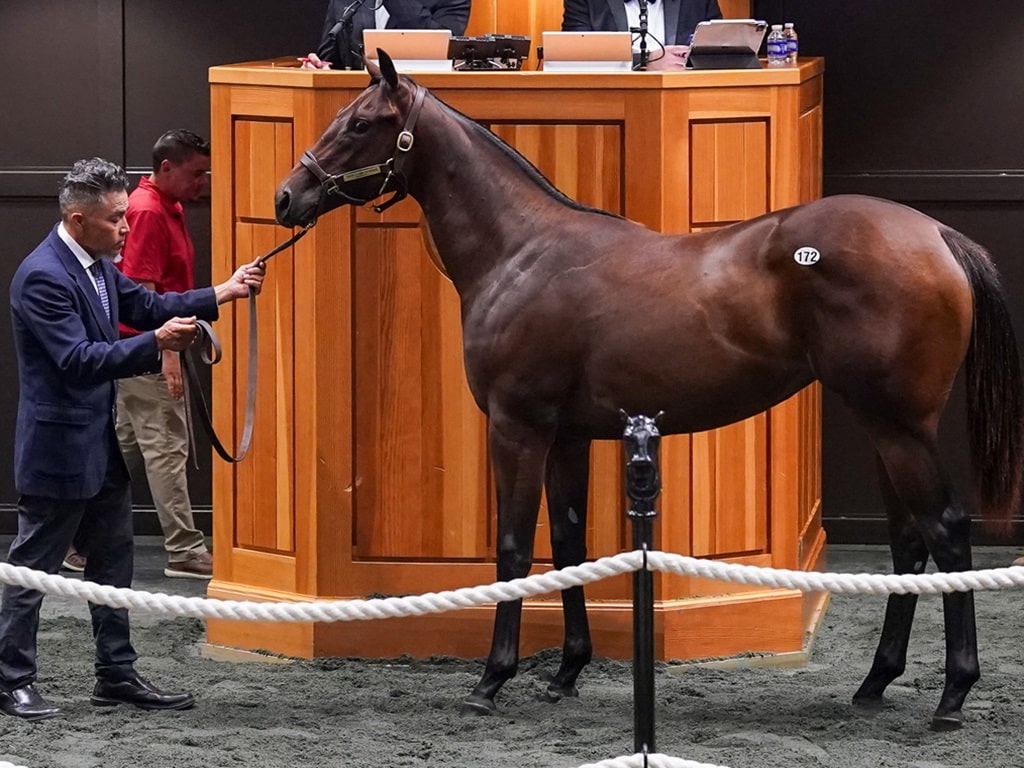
868	703
947	722
559	692
479	706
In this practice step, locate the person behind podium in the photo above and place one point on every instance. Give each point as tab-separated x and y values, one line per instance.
669	23
342	48
66	299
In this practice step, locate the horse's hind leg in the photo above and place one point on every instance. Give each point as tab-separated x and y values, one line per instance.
921	484
568	474
909	555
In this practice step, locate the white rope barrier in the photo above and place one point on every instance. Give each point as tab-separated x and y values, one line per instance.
531	586
839	583
654	760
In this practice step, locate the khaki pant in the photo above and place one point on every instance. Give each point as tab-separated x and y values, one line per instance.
151	428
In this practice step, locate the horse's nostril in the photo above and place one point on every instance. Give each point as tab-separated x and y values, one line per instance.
281	205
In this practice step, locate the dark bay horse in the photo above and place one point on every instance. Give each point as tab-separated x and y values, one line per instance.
879	302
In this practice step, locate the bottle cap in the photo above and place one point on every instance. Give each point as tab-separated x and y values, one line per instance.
776	26
789	25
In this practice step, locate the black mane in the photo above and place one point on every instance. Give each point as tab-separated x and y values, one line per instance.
525	165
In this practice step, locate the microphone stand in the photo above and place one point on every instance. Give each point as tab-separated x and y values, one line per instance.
644	54
345	25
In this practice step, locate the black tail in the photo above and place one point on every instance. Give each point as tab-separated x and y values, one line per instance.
995	395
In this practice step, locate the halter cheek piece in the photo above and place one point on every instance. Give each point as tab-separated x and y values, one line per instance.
394	180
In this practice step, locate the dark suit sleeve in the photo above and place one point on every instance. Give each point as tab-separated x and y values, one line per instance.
712	11
48	312
576	16
328	48
452	15
144	310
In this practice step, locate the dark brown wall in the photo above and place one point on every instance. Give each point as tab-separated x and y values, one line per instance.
924	103
106	77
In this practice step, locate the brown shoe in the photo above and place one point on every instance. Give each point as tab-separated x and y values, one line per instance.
73	562
196	567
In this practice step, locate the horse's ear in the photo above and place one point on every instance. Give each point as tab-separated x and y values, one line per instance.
372	69
387	69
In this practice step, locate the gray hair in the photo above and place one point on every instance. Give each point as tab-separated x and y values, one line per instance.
88	181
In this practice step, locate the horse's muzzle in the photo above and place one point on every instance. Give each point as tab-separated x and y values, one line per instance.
283	209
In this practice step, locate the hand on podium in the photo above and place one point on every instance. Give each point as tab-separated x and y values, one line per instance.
312	61
674	57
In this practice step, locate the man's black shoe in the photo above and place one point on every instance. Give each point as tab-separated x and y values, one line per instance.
25	703
132	688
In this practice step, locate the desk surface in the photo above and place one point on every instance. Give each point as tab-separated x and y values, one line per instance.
285	72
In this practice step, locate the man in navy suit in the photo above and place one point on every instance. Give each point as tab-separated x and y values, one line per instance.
670	22
452	15
66	301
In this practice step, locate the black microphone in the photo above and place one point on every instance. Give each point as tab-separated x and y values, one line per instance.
329	44
643	35
348	13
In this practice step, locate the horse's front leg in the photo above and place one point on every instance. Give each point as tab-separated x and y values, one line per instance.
517	456
568	475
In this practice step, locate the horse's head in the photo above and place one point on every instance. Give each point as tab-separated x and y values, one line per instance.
360	156
642	439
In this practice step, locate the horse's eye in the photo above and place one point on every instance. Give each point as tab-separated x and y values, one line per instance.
360	126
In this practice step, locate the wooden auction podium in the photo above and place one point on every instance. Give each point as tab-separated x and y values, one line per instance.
369	471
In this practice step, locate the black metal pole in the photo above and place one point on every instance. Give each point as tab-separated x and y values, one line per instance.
644	54
643	484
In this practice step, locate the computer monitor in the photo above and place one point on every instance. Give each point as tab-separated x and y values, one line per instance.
412	50
587	51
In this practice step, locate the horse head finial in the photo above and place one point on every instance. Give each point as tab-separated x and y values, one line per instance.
641	438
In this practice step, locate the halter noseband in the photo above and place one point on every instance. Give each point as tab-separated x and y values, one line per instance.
394	180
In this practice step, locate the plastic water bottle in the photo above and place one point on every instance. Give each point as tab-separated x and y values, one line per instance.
776	47
792	42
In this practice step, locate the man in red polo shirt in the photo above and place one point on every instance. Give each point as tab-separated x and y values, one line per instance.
150	409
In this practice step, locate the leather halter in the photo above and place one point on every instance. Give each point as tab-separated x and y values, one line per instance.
394	180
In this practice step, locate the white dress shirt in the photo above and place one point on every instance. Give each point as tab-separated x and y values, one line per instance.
83	258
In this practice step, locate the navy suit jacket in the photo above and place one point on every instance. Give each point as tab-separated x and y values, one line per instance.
404	14
69	355
681	17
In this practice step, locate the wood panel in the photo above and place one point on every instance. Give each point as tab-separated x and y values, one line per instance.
421	487
735	9
267	474
811	132
729	171
583	161
729	489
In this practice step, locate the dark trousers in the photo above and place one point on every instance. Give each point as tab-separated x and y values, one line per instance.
101	529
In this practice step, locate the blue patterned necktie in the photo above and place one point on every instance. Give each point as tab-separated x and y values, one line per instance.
101	286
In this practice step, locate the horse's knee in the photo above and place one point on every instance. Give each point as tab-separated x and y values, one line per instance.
513	562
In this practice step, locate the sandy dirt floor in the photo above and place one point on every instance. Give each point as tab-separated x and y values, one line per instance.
338	712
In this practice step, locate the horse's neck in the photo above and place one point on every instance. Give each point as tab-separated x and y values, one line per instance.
470	191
